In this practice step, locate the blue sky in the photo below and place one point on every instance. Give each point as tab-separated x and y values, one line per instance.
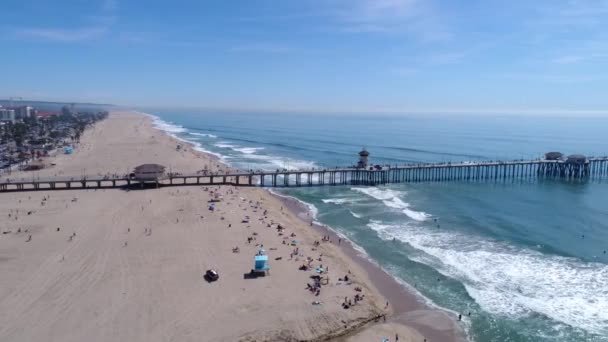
320	55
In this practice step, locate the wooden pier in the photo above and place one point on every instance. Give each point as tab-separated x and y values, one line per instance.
439	172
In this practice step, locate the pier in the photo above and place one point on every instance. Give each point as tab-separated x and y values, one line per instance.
582	169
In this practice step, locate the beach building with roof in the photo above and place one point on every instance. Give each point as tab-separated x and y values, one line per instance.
149	172
35	165
553	156
576	159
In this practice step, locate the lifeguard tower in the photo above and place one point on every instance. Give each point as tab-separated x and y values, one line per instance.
261	266
363	155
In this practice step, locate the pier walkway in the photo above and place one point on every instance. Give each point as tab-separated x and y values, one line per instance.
595	167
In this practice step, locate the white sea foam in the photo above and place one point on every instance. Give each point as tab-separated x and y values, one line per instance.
312	209
168	127
172	130
266	161
511	281
200	148
247	150
203	135
241	149
338	200
355	214
244	150
224	144
391	199
275	162
380	194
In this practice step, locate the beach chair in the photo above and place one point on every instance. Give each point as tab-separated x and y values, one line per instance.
261	264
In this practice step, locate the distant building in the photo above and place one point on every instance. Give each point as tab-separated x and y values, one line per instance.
553	156
23	112
149	172
576	159
44	115
363	155
7	115
35	165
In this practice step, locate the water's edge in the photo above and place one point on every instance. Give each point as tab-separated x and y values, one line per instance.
403	299
409	307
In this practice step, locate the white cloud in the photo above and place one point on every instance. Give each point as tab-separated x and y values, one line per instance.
109	5
569	59
381	11
447	58
261	47
404	71
97	25
63	35
413	17
551	78
152	38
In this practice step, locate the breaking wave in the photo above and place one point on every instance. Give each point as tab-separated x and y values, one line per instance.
391	199
511	281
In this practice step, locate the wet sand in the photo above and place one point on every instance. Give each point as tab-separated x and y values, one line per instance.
407	308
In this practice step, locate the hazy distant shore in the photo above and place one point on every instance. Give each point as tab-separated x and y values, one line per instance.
127	265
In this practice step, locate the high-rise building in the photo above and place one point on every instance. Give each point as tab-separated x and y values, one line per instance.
7	115
23	112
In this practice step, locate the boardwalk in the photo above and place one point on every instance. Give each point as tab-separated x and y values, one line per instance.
440	172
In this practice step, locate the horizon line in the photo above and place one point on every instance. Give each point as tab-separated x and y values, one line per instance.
346	111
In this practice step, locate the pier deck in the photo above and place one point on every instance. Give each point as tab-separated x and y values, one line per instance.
438	172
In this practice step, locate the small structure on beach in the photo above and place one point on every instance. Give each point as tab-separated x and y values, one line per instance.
35	165
149	172
363	155
261	264
553	156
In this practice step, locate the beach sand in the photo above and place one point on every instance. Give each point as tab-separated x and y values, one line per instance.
118	265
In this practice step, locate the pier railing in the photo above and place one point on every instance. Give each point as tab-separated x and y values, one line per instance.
378	175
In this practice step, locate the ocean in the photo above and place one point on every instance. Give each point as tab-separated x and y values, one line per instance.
526	258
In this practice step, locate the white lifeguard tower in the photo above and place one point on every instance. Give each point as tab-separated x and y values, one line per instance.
363	155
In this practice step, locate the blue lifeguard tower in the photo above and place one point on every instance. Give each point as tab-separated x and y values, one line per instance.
261	264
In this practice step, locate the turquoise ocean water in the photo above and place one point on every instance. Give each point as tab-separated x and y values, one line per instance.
525	257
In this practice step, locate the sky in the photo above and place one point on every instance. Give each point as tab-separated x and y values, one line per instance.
310	55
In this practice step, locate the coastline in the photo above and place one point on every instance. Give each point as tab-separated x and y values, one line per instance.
407	308
169	257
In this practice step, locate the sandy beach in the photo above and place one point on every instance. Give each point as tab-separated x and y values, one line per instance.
118	265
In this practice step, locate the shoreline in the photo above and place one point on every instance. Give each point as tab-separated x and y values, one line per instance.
190	245
403	301
90	265
406	307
